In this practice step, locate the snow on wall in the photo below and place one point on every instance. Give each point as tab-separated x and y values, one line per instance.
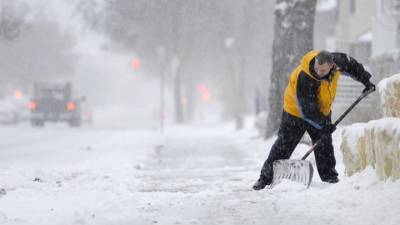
352	143
389	90
376	143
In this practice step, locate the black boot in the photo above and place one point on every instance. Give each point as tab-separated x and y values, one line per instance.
261	183
332	180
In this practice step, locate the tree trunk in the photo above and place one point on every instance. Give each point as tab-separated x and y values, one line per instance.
176	75
293	37
240	89
240	64
177	99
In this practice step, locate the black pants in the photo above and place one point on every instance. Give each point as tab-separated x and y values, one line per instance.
290	132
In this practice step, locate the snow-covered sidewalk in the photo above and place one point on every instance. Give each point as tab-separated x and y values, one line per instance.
190	175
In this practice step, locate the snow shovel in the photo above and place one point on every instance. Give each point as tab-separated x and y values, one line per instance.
301	170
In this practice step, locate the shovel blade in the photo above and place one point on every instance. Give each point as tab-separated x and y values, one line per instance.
296	170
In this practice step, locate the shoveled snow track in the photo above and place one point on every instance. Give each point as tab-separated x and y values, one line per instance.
202	179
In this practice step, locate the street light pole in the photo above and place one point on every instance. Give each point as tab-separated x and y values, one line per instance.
162	81
235	70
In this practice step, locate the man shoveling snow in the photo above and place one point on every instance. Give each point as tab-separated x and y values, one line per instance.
307	107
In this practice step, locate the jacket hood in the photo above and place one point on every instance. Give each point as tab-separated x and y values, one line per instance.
305	63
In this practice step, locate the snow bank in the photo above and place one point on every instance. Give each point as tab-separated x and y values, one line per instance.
376	143
389	90
352	143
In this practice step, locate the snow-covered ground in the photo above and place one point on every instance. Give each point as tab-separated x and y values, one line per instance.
191	175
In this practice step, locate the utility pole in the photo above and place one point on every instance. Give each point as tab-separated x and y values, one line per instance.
162	55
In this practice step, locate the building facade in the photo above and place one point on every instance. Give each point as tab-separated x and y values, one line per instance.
354	28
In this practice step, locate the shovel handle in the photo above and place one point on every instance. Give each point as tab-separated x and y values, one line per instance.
363	95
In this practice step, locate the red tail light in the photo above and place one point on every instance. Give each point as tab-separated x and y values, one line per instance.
32	105
18	94
71	106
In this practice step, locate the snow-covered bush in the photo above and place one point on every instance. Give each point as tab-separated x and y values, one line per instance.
352	146
376	143
389	90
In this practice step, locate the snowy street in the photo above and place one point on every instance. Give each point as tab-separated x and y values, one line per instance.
86	87
191	175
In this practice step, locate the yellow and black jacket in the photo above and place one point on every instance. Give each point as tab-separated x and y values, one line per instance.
309	97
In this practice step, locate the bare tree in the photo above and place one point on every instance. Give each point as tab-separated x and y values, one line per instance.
181	45
192	34
40	52
294	26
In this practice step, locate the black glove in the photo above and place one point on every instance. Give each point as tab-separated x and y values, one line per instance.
369	86
328	128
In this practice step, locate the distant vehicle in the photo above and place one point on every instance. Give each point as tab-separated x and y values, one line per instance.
8	112
55	102
13	109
